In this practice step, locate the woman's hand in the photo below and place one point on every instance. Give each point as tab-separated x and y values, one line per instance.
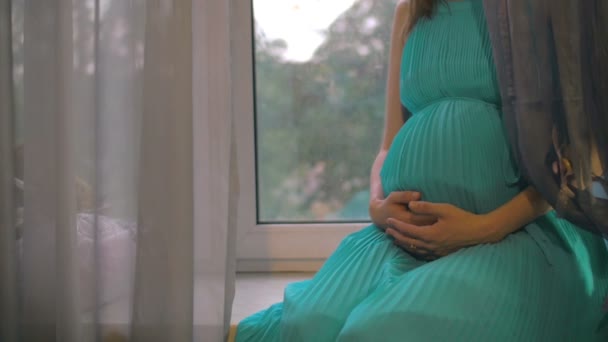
454	229
396	206
457	228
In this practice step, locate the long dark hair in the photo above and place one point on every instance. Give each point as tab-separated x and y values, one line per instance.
420	9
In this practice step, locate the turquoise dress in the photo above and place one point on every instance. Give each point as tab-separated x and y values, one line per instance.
546	282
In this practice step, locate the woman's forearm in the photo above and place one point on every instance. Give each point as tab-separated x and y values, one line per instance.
376	191
513	215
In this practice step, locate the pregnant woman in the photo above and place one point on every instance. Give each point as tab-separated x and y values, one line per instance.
460	249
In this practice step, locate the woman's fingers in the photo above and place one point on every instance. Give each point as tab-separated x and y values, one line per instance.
421	220
433	209
419	233
403	197
413	218
407	243
418	250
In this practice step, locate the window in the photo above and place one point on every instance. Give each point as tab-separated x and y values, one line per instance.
310	82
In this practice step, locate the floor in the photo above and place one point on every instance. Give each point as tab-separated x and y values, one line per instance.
257	291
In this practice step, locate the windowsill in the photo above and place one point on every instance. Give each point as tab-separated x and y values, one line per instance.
254	292
257	291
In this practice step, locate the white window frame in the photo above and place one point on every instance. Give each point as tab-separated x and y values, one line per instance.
267	247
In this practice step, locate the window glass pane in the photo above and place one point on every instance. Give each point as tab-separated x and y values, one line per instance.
320	78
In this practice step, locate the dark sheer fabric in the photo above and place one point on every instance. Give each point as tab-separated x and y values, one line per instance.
551	57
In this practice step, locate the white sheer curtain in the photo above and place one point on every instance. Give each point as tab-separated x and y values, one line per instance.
216	176
117	170
8	232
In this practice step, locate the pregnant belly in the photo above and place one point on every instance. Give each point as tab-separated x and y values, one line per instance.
453	151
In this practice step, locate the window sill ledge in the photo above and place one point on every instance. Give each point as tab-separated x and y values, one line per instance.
257	291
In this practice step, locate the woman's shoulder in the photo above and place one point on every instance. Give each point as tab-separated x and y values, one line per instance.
402	8
402	18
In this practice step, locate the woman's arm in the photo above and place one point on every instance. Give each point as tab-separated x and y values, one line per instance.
393	119
381	207
457	228
376	193
524	208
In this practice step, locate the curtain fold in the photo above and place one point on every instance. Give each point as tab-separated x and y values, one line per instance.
216	177
551	61
8	235
118	172
47	265
164	268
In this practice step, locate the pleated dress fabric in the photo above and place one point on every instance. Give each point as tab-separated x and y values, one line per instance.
546	282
